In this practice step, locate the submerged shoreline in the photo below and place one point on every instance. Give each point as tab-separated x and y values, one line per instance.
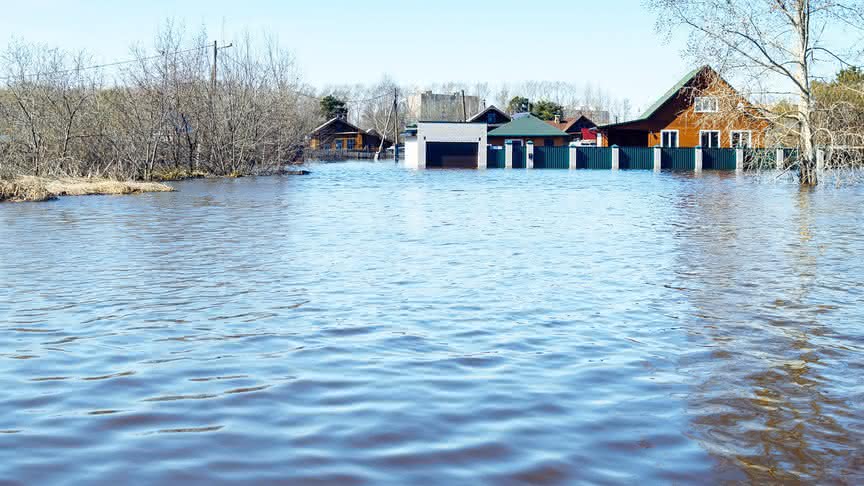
36	189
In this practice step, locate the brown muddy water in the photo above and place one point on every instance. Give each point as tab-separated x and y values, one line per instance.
368	324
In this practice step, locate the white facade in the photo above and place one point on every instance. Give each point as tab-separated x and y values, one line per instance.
415	146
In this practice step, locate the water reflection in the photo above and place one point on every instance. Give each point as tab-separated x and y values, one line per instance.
764	407
370	325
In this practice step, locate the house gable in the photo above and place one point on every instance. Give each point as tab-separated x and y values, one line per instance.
491	116
676	111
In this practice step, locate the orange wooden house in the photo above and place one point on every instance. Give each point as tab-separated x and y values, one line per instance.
702	110
338	134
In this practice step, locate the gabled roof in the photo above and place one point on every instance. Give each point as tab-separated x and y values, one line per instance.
483	113
527	126
353	129
567	123
667	96
335	119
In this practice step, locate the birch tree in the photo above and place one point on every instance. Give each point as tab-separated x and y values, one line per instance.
774	49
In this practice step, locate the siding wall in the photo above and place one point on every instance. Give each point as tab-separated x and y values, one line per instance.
538	141
680	114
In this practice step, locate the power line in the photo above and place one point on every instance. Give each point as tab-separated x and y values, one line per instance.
100	66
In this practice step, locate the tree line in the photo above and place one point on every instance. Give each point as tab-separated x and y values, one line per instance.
159	115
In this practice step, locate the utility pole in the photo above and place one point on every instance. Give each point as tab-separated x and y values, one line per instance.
216	49
396	125
215	60
464	114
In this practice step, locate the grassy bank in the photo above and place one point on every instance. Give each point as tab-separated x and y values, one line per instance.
41	189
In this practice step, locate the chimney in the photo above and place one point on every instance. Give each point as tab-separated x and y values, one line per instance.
557	119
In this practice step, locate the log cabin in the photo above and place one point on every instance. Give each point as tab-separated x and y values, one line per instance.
702	110
338	134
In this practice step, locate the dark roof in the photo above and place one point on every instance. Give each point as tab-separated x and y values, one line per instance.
527	126
567	123
335	119
487	110
667	96
354	129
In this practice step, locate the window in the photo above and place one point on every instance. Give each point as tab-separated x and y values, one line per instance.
351	143
706	104
742	139
669	138
338	144
709	139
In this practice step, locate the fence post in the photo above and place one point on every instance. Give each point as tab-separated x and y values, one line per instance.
658	158
529	154
698	158
739	159
616	157
574	155
508	154
820	160
780	158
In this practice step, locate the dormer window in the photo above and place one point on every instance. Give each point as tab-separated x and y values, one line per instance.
706	104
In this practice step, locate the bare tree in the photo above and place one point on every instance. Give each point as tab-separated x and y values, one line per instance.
773	48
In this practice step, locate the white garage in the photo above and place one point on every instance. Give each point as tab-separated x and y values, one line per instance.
446	145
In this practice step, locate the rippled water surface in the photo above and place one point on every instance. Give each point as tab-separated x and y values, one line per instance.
368	324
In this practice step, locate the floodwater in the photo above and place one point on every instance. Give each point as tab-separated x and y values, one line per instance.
367	324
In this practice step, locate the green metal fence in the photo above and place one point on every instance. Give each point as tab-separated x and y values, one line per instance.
495	158
519	154
636	158
551	157
674	158
718	159
594	158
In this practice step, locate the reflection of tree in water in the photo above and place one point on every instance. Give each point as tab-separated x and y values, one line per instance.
772	404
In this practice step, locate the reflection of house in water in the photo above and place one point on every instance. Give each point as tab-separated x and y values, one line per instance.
758	353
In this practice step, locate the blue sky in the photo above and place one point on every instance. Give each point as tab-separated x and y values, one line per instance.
610	44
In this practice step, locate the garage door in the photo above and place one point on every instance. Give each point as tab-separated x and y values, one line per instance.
451	155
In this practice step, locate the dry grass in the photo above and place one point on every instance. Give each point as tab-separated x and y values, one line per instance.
41	189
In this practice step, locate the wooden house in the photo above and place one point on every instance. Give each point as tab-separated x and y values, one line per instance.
528	127
339	134
702	109
580	128
492	117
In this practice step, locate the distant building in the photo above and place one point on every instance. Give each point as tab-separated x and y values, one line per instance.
702	110
338	134
429	106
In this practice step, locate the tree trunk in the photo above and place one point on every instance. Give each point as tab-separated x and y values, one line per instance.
807	147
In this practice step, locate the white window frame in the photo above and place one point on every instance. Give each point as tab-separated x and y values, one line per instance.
749	138
719	138
677	138
699	104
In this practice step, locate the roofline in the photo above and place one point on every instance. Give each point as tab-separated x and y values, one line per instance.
669	96
486	110
338	118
